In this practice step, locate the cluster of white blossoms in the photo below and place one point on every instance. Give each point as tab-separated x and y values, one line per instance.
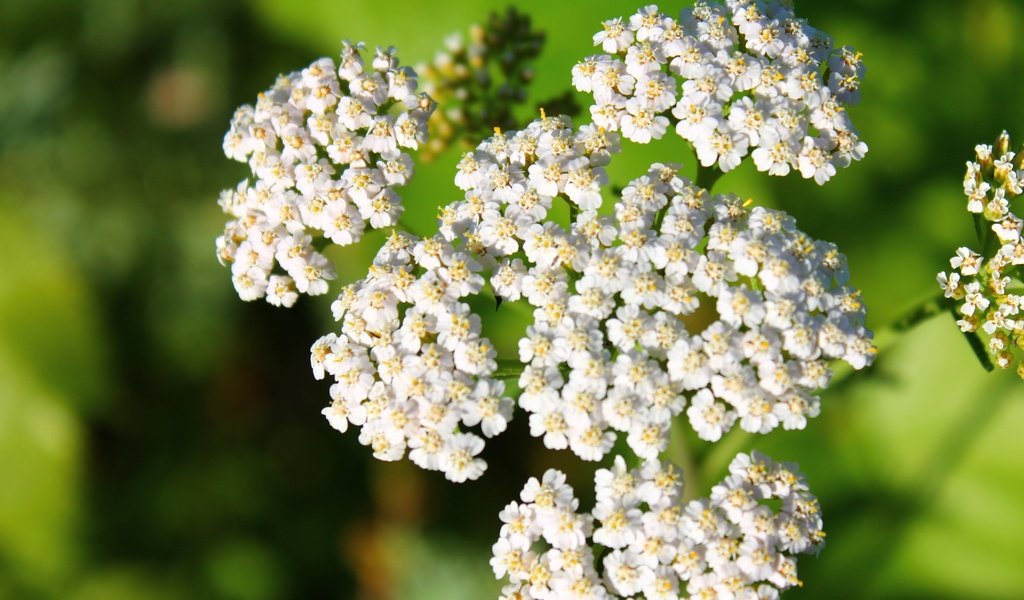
666	300
988	288
639	541
411	368
325	146
681	297
746	77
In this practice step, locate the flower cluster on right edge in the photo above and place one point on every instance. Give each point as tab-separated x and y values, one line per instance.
986	285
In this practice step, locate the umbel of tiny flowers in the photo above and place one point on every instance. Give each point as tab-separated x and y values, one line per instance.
987	286
619	342
327	147
743	77
410	366
682	298
639	541
409	363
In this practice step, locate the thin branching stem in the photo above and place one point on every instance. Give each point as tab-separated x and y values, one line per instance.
707	177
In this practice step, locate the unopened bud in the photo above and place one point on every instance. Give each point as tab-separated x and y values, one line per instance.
1002	145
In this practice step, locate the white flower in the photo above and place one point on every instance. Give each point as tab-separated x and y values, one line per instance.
733	543
973	299
708	417
750	78
296	194
814	161
615	37
641	124
281	291
458	458
950	284
337	416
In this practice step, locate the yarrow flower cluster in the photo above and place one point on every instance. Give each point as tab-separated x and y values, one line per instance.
326	146
987	286
410	365
666	300
640	542
620	341
746	77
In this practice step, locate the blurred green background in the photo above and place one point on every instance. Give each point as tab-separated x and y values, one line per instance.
161	439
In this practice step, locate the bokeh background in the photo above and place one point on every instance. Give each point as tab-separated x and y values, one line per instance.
161	439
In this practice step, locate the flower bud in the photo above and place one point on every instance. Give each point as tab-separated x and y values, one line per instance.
1002	145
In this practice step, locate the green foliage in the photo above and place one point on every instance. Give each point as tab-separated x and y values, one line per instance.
46	326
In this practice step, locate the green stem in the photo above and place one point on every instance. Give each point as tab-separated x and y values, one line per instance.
979	349
508	368
708	176
922	312
721	453
660	217
887	337
322	243
979	228
680	453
